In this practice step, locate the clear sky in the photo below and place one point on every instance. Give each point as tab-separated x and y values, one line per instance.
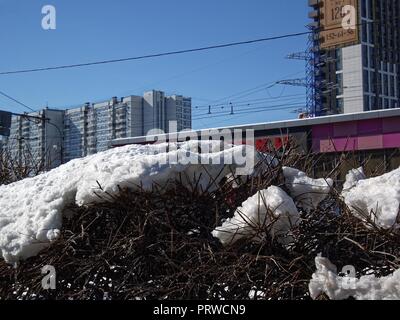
90	30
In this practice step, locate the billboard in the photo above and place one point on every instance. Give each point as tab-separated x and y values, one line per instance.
339	23
5	123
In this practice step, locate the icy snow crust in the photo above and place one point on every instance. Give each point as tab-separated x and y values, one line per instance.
31	209
376	198
326	280
271	208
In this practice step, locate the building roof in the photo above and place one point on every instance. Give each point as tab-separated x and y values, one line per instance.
278	125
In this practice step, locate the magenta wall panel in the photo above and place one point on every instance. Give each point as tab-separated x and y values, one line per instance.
335	145
370	126
323	131
316	145
357	135
325	145
391	125
391	140
345	144
345	129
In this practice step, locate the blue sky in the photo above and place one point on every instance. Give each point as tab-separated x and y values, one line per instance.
93	30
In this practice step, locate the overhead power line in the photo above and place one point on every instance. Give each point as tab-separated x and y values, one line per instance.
16	101
157	55
170	53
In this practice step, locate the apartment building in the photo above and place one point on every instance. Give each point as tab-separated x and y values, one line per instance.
52	137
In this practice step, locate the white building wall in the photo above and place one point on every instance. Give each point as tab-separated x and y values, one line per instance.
353	96
135	116
154	111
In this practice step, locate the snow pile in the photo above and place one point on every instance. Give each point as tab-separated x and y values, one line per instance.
31	209
352	178
272	208
326	280
307	192
377	198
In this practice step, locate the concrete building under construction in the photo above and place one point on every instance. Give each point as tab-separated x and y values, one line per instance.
355	69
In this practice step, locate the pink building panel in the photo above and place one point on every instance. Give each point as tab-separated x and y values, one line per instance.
335	145
358	135
370	142
391	140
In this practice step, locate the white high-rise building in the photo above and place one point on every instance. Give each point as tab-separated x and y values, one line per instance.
52	137
160	110
179	109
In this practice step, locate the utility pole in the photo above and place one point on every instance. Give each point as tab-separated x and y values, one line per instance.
44	121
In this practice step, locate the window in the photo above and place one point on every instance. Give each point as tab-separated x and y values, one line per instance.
363	9
386	103
364	31
385	84
366	80
371	33
339	60
392	92
339	105
371	57
373	105
365	56
339	82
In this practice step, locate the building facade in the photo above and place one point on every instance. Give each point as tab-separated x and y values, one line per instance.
362	74
90	128
180	110
51	137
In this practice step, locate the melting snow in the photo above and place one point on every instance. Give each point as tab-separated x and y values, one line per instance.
377	198
352	178
272	208
307	192
31	209
326	280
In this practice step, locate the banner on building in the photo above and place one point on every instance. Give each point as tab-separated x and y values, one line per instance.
5	123
339	23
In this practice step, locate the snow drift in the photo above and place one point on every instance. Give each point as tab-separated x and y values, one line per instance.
377	199
272	208
326	280
307	192
31	209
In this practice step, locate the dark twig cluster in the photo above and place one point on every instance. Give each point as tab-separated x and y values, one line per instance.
158	245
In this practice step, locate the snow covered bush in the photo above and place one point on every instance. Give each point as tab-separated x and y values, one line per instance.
125	225
352	178
375	200
271	209
307	192
368	287
31	209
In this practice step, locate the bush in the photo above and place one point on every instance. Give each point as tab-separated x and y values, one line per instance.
158	245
